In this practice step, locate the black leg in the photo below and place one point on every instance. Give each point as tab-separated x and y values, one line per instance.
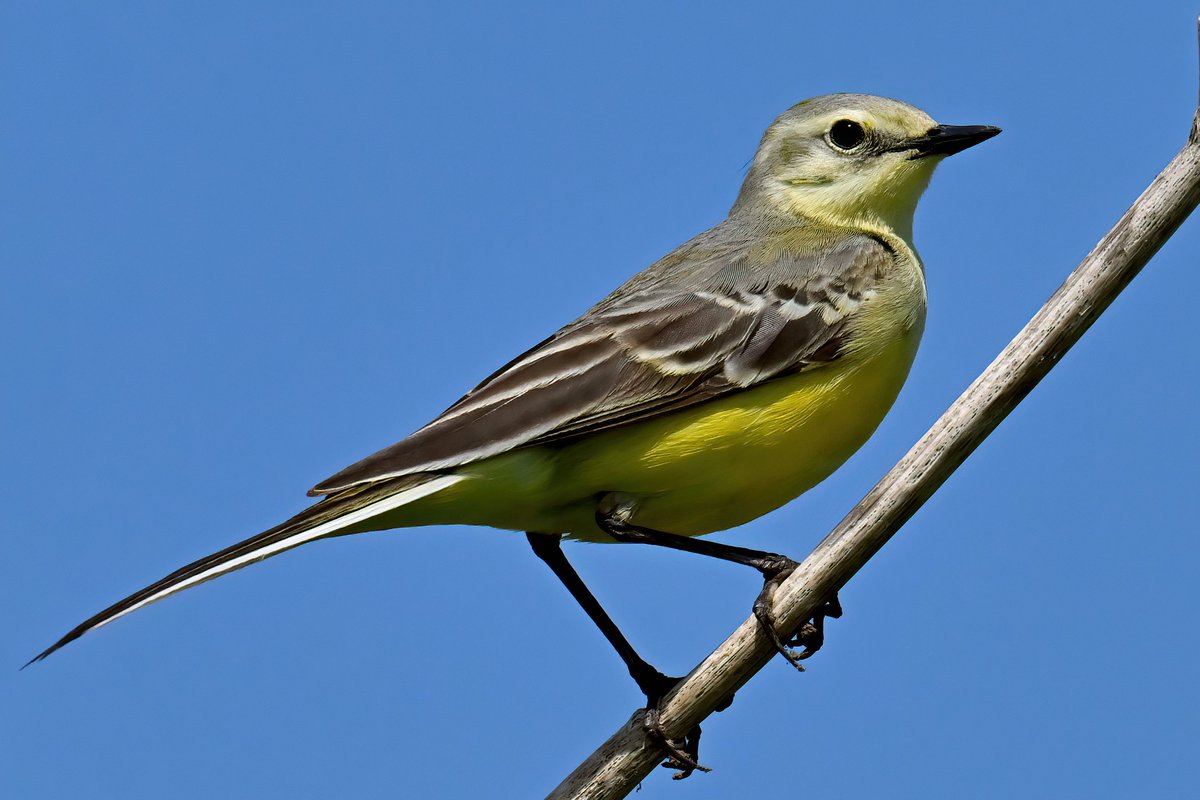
774	568
654	684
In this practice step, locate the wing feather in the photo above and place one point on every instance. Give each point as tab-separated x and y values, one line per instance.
654	346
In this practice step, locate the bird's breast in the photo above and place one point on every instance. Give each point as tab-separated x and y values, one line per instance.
731	460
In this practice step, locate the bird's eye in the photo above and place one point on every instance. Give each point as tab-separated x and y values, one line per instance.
846	134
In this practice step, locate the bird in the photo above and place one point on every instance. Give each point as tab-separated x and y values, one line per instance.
721	382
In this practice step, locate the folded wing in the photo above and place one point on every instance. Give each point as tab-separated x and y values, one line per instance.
724	323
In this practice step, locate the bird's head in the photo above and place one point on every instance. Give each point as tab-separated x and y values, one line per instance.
852	159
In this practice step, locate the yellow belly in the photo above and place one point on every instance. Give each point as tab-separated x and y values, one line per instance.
696	471
733	460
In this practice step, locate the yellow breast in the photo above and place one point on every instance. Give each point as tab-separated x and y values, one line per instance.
732	460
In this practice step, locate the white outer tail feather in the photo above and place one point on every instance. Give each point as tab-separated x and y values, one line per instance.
327	528
324	529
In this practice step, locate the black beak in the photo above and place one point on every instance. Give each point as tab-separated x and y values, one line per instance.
946	140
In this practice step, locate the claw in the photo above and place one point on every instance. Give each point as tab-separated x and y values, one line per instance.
682	756
691	745
809	636
775	569
764	613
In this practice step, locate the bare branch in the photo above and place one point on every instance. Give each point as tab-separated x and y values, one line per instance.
627	757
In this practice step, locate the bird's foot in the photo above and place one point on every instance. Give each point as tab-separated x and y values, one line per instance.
775	569
683	754
811	633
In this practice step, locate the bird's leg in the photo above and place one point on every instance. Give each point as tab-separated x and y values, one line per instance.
654	684
612	517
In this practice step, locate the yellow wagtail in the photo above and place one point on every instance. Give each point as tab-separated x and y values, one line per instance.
727	378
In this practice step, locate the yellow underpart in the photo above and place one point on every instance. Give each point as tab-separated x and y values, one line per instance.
704	469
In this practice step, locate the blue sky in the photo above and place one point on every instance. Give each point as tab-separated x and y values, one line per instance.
247	244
